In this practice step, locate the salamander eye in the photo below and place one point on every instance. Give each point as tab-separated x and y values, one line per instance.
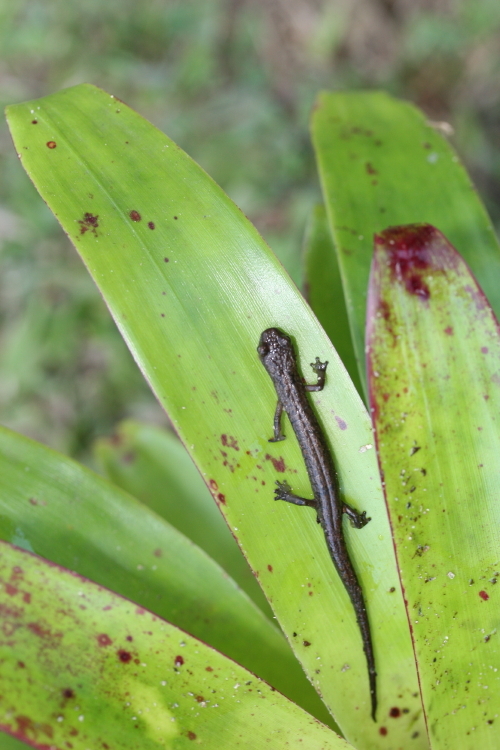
263	349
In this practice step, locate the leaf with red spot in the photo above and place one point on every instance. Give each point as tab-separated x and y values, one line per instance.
382	163
434	377
130	688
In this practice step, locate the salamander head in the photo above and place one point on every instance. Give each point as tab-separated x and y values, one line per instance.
275	349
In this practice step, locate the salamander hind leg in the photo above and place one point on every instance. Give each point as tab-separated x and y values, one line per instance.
357	519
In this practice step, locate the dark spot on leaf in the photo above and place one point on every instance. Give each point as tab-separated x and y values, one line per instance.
270	568
151	224
213	485
166	260
370	169
383	731
51	144
89	221
68	693
306	643
395	712
200	699
34	122
278	463
104	640
176	217
191	735
230	442
484	596
341	423
124	656
135	216
179	661
221	498
158	552
129	638
413	251
209	669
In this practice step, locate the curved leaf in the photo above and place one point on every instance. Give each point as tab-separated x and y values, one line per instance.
191	286
154	467
121	677
60	510
434	367
382	164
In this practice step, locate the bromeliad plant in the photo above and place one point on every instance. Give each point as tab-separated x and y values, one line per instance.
131	648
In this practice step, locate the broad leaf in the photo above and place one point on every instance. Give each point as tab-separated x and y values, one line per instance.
60	510
83	668
434	374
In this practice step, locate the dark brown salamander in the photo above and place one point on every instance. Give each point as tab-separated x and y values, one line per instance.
278	357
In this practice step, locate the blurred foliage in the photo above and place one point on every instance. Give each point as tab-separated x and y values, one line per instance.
232	81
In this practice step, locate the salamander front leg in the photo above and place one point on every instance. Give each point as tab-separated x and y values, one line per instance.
278	435
284	492
357	519
320	370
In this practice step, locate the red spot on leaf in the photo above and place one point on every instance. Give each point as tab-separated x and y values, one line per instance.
278	463
230	442
178	661
191	735
449	330
413	250
484	596
158	552
135	215
395	712
104	640
484	350
51	144
209	669
221	498
34	122
383	731
89	221
270	568
124	656
370	169
151	224
166	260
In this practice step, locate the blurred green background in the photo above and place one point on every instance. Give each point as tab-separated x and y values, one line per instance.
233	82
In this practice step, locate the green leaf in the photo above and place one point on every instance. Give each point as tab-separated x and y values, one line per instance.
56	508
191	297
382	164
325	292
119	676
434	366
153	466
